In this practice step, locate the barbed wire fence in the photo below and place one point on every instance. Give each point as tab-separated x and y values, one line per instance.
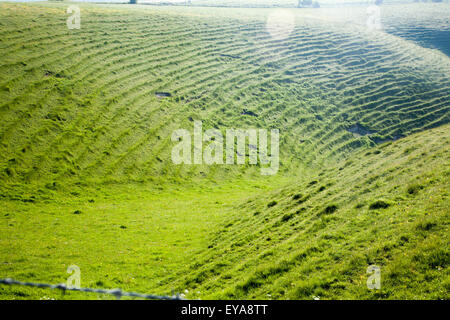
118	293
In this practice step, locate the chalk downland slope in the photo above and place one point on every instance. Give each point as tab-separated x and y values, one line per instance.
85	106
86	118
386	206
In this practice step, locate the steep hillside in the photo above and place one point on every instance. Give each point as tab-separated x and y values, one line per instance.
80	105
386	206
86	119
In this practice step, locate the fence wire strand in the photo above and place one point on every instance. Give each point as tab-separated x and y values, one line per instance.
118	293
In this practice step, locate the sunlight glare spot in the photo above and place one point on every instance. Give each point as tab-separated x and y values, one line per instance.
280	24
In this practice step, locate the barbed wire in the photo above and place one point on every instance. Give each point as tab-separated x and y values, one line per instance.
115	292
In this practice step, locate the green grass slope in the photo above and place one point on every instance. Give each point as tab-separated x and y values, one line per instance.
87	179
80	105
125	236
386	206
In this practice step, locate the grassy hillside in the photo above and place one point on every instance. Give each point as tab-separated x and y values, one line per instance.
87	178
386	206
80	105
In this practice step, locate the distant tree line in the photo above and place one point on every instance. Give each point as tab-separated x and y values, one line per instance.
308	3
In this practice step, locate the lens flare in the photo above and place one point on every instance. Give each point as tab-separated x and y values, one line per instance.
280	24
